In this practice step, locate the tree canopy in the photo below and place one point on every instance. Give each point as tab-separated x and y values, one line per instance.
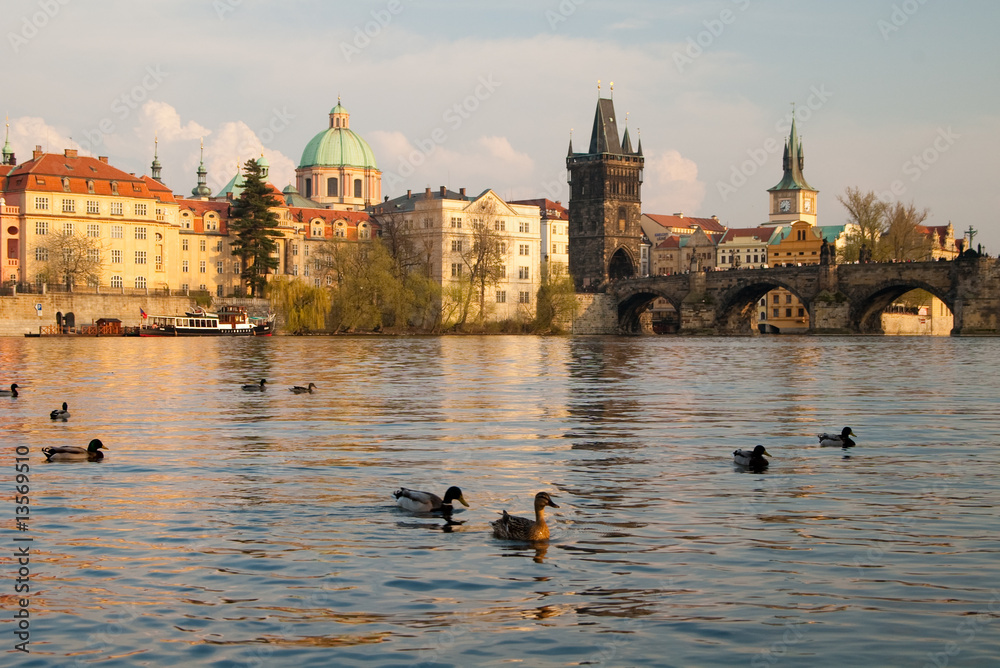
254	227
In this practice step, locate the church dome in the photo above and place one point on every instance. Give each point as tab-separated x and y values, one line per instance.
338	146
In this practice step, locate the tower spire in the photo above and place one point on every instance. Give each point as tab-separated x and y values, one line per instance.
202	189
156	167
8	152
793	161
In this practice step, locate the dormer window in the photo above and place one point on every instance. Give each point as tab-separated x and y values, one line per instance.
114	187
65	184
90	187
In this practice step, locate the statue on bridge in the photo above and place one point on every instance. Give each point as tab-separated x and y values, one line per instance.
825	253
864	255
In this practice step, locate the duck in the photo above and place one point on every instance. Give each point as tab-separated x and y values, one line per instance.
841	440
424	502
12	392
521	528
60	413
752	459
298	389
71	453
254	387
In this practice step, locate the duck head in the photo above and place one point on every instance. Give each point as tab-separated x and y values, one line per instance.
543	499
454	493
96	445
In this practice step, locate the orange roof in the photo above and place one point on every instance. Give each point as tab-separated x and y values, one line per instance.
706	224
761	235
84	176
673	241
550	210
159	191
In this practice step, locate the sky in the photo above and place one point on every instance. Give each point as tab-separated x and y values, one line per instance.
899	97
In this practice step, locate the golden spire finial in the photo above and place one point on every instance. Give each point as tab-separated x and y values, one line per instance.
612	86
598	86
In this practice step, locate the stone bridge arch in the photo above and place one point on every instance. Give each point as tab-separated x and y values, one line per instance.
738	304
865	315
633	304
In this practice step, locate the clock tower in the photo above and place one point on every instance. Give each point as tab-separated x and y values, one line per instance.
793	198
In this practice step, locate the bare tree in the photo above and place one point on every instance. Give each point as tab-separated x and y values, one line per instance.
73	259
868	214
485	256
903	240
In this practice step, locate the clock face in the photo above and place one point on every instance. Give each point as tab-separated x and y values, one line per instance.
809	205
785	205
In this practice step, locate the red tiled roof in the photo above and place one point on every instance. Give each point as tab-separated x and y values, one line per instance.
46	173
941	231
673	241
706	224
158	190
547	207
744	232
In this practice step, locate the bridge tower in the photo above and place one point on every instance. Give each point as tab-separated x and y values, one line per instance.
793	198
604	203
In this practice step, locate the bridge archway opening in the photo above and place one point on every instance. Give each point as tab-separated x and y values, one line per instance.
621	265
904	309
768	307
648	312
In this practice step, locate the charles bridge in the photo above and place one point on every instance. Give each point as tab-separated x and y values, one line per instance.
840	299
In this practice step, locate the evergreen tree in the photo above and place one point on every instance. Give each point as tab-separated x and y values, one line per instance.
254	227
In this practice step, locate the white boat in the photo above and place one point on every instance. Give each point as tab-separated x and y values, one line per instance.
229	321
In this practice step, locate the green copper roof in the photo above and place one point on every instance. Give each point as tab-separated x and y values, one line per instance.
235	186
793	163
338	147
338	109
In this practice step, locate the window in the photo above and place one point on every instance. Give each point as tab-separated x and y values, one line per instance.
185	266
788	299
140	233
500	225
116	208
65	185
117	282
41	254
201	245
523	272
788	313
456	222
202	287
218	290
90	188
236	266
309	188
140	257
41	227
802	312
357	187
185	287
295	270
777	298
523	249
184	244
331	187
116	256
295	249
69	206
140	209
69	229
94	255
555	248
523	297
456	245
219	268
158	260
42	203
218	246
777	312
456	269
501	296
524	226
140	282
201	267
117	231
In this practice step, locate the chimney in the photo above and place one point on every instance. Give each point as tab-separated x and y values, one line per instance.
443	191
427	193
680	214
37	153
103	158
714	217
461	191
69	153
409	194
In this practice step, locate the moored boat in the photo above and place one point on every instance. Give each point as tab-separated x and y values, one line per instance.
229	321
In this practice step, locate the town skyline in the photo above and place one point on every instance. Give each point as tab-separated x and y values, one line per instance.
703	84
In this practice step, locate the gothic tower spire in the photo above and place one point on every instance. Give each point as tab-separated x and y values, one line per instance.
202	189
8	152
156	167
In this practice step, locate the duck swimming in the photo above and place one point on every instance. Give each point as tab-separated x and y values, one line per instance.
71	453
298	389
60	414
12	392
520	528
425	502
255	388
841	440
752	459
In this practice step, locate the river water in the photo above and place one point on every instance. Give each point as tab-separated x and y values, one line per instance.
228	528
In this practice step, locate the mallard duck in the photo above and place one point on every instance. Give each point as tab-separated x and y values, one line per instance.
12	392
60	413
298	389
521	528
425	502
752	459
255	388
841	440
71	453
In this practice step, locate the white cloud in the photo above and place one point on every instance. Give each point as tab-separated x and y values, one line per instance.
162	120
27	132
672	185
231	146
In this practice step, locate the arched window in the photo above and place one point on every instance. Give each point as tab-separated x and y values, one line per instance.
357	187
140	282
621	219
331	187
116	282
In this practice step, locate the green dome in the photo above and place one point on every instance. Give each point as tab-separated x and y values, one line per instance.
338	147
338	109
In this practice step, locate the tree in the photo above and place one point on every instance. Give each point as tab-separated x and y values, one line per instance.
903	240
73	258
255	228
556	298
868	215
305	307
484	253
